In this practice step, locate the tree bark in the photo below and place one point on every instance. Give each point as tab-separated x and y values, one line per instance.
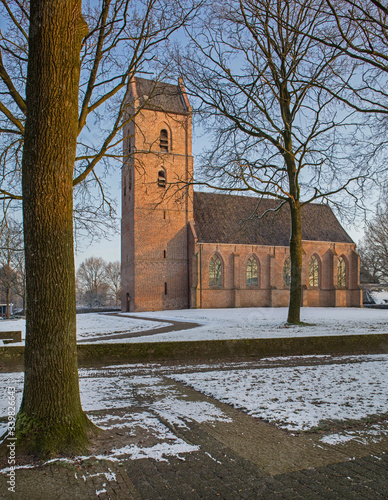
51	419
296	263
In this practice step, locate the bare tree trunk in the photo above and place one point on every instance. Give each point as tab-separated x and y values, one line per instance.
295	212
24	301
51	419
296	264
8	300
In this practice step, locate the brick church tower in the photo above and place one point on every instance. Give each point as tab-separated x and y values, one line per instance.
155	213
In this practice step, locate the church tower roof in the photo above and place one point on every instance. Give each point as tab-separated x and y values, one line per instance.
161	96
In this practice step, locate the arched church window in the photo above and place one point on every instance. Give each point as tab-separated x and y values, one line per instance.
341	272
162	178
314	272
252	272
215	271
163	140
287	272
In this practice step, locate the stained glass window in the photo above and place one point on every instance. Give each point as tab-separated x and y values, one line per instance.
314	272
252	272
215	271
341	272
287	272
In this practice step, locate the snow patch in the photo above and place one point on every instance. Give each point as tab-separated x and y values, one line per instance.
380	297
374	434
177	411
301	397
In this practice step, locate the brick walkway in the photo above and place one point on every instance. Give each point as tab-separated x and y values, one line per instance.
238	457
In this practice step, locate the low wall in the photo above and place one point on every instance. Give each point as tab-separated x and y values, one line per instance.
87	310
206	350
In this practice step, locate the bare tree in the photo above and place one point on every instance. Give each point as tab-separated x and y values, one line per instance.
113	280
262	88
61	72
374	246
123	39
91	279
7	285
358	31
369	263
98	281
11	261
20	284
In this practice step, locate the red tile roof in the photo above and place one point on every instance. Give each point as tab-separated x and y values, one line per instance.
225	218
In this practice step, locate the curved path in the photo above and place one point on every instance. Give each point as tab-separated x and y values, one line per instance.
172	326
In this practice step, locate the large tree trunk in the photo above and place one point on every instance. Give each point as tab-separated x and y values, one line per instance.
51	419
296	263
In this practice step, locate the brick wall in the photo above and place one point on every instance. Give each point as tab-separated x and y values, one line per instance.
271	292
155	218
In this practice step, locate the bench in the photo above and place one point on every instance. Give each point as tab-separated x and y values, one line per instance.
11	337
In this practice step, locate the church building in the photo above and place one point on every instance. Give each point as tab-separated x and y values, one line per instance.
185	249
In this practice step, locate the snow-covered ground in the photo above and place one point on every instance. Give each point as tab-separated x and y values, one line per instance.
93	325
241	323
380	297
263	322
96	325
144	399
305	394
105	392
300	398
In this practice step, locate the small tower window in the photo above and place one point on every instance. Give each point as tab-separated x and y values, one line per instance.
162	178
163	140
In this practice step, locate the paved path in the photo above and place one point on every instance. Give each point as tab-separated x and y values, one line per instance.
216	471
172	326
238	458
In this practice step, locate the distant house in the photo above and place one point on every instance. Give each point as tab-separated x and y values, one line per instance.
3	310
205	250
